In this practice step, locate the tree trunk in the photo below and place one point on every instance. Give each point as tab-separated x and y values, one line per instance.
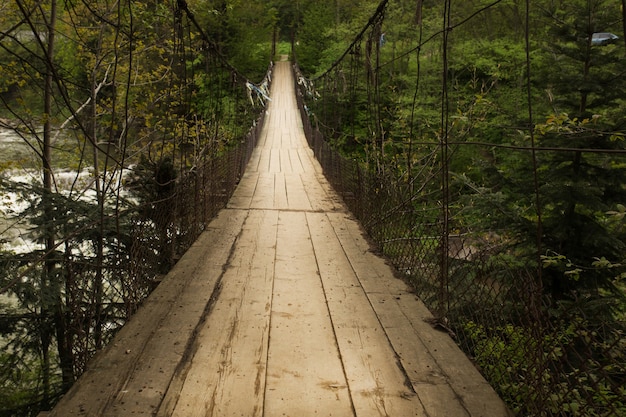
49	297
98	279
624	18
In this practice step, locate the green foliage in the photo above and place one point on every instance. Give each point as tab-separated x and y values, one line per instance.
524	368
488	62
242	30
20	394
314	36
574	61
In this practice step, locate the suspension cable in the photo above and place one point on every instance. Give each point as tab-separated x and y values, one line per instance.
440	32
445	168
375	17
182	5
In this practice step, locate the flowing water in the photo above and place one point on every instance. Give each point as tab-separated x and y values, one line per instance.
18	164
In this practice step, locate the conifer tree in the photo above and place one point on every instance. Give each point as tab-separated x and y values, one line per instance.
579	187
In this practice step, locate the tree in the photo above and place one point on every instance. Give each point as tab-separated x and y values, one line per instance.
581	186
314	36
577	91
67	70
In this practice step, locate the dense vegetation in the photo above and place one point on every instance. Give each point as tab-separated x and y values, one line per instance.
114	103
577	91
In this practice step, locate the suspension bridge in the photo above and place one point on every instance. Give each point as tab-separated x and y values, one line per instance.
282	308
410	232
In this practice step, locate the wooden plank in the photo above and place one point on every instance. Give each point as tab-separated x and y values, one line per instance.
230	351
262	141
285	162
377	381
281	201
132	373
296	194
294	160
321	197
244	193
309	163
264	160
263	197
275	165
255	159
305	375
392	299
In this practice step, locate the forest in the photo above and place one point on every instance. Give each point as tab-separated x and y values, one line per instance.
493	126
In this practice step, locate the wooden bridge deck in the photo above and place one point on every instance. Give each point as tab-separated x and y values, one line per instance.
281	308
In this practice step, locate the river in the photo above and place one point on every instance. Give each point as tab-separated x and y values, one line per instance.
18	163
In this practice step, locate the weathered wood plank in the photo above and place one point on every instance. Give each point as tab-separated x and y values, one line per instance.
296	194
244	193
295	161
263	197
392	301
132	373
230	351
275	165
377	381
305	375
285	162
281	201
320	196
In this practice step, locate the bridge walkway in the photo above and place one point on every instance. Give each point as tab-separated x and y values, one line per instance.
282	308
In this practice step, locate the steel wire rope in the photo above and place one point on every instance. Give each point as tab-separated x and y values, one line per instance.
168	99
370	112
215	99
354	76
379	10
444	289
124	136
375	39
418	60
542	323
182	5
436	34
537	289
109	184
211	101
181	34
539	148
